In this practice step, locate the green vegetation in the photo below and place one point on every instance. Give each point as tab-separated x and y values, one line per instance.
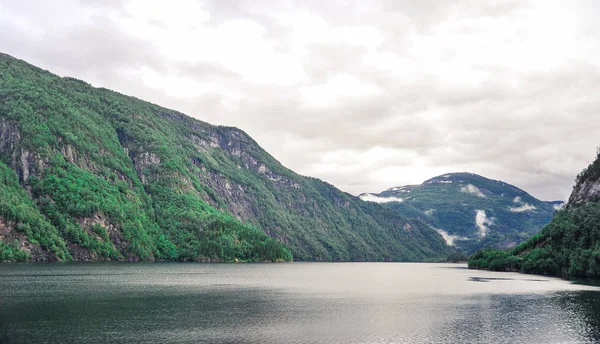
495	260
12	253
90	174
19	211
83	184
457	257
568	246
450	202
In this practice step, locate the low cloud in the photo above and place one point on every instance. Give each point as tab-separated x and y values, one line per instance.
482	222
472	189
377	199
523	207
449	238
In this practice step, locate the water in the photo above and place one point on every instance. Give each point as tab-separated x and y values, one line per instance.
290	303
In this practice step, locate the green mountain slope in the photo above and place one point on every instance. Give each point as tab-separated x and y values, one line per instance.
91	174
568	246
471	211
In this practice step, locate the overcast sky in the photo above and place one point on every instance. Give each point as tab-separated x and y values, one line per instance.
363	94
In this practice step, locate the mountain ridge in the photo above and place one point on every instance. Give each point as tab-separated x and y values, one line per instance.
108	176
469	210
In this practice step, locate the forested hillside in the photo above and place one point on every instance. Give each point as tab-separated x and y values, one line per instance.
471	211
90	174
568	246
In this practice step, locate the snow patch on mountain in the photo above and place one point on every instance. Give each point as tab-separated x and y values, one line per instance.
405	188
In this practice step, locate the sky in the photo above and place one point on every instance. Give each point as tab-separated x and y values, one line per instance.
365	95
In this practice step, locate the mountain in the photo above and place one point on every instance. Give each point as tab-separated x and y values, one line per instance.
470	211
568	246
90	174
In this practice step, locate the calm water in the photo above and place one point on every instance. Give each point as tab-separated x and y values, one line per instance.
290	303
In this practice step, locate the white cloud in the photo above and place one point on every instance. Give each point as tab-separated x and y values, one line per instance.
377	199
364	95
482	222
472	189
449	238
522	207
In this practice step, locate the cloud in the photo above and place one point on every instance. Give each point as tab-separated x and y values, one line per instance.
522	206
365	95
449	238
472	189
482	222
378	199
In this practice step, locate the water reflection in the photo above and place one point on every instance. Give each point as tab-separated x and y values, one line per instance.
290	303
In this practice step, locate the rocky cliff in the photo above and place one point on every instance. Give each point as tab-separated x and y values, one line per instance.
587	185
91	174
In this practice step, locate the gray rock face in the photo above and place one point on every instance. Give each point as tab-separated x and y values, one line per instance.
142	161
9	136
587	190
587	184
22	160
25	157
231	194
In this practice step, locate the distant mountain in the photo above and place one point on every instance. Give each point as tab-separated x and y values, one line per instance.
568	246
470	211
90	174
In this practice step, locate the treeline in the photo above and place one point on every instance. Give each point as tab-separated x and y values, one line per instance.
457	257
568	246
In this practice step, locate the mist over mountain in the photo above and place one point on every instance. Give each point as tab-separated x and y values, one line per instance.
469	210
568	246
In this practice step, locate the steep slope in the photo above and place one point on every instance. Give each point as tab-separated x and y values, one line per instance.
568	246
469	210
114	177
